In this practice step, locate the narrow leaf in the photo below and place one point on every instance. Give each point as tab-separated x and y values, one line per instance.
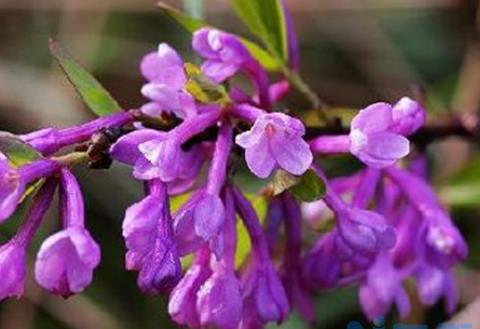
91	91
17	151
310	188
266	20
191	25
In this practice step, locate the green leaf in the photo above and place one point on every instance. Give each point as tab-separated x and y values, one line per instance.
282	181
203	89
310	188
191	25
188	23
17	151
463	189
91	91
266	20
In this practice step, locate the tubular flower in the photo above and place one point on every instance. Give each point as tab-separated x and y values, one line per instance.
13	253
66	260
275	140
148	233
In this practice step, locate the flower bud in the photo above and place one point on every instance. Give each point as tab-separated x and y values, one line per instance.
66	260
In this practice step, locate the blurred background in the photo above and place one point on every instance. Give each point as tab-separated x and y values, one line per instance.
353	52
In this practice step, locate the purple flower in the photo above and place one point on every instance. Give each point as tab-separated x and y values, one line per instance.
433	283
264	297
166	75
224	53
182	305
13	181
66	260
275	140
296	289
12	269
219	302
209	215
148	234
11	189
321	265
373	141
382	288
363	230
445	245
12	253
160	155
49	140
408	116
377	133
199	221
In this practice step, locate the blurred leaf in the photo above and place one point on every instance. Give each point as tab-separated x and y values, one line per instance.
263	57
203	89
91	91
191	25
463	189
282	181
17	151
310	188
345	114
243	240
266	20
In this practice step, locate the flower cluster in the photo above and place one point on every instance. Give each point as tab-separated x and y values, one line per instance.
385	231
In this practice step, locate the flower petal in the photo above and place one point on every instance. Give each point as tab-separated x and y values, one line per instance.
291	153
126	148
259	159
374	118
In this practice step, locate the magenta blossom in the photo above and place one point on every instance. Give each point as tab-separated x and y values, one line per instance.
182	305
377	133
156	154
14	181
275	140
224	53
371	139
12	269
66	260
12	253
166	75
382	288
148	233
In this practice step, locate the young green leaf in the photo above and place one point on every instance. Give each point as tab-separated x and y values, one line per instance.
191	25
203	89
17	151
282	181
266	20
310	188
188	23
91	91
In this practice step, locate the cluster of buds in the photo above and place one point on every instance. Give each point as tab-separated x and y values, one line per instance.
389	224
